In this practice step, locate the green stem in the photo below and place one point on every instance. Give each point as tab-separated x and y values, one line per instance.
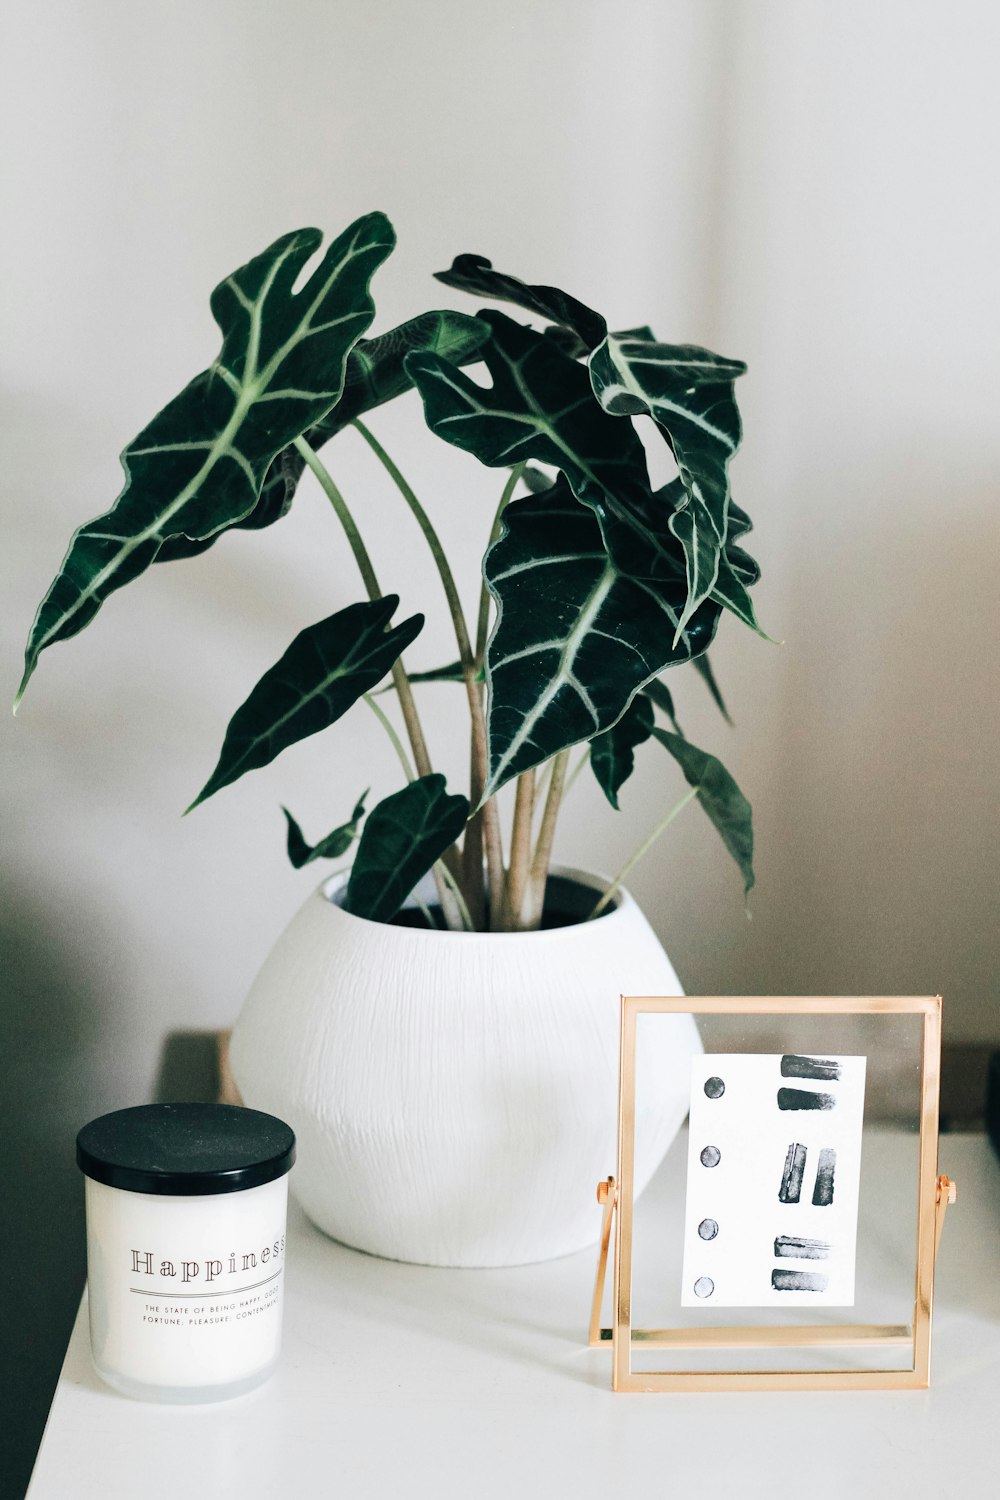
576	771
538	879
400	680
344	516
430	535
520	852
456	892
425	912
642	850
478	766
397	743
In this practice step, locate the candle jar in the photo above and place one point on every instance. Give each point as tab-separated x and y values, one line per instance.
186	1212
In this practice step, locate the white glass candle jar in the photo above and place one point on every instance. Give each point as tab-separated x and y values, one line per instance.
185	1247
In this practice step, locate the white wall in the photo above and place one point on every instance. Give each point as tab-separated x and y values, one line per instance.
809	186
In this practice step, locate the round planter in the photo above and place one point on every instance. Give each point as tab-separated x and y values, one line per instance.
454	1094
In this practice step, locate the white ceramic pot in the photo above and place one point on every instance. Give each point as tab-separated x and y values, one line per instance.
454	1095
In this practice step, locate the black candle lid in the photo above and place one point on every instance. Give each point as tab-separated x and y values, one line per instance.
185	1150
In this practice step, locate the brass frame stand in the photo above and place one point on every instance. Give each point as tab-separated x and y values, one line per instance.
935	1194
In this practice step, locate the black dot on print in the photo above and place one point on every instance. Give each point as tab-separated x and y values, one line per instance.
711	1156
708	1229
714	1088
704	1286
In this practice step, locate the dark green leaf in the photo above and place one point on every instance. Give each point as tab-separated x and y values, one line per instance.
737	572
689	393
403	837
641	334
375	374
662	697
333	846
200	464
536	481
275	502
566	341
451	673
612	757
703	667
719	795
474	273
541	406
325	670
575	638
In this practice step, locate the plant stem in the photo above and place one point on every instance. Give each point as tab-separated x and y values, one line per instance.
430	535
400	680
456	892
473	862
571	778
397	743
543	848
483	828
643	849
520	852
344	516
425	912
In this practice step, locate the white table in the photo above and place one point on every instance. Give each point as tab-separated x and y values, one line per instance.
399	1382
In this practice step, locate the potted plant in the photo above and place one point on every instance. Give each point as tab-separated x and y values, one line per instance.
439	1024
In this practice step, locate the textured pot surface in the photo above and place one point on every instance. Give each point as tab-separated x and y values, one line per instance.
454	1095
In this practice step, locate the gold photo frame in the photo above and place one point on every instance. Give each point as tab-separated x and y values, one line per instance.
909	1342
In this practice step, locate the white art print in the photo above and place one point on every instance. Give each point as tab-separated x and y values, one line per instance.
774	1169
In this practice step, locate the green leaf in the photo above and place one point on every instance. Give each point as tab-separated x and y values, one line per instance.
474	273
451	673
737	572
689	393
541	407
326	669
276	496
661	696
575	638
200	464
612	757
719	795
703	667
376	373
403	837
332	847
641	334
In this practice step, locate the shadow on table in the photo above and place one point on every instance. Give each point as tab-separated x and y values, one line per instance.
57	1031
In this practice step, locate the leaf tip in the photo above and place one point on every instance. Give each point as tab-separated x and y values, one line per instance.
22	687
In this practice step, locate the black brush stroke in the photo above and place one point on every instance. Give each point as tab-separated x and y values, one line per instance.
823	1191
798	1281
805	1099
788	1247
794	1066
791	1178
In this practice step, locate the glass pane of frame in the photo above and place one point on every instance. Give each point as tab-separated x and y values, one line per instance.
787	1238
